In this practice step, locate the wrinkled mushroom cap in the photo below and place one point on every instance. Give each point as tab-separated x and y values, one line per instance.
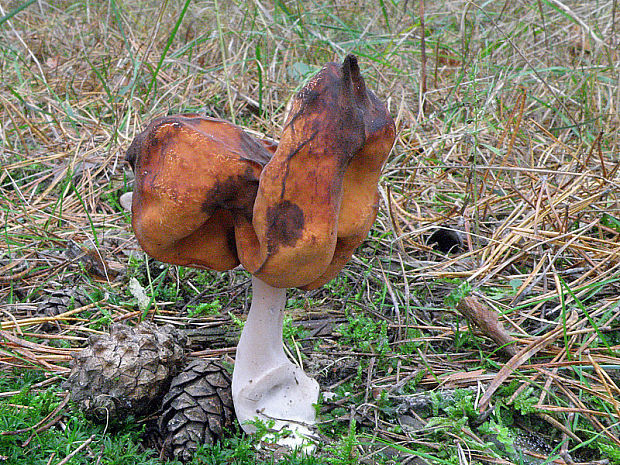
317	197
193	176
209	195
360	198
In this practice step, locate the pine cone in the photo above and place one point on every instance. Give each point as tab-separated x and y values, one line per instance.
125	372
59	301
196	409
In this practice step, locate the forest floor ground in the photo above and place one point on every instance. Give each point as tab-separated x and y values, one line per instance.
504	349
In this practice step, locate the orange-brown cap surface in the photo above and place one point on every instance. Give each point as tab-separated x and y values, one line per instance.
209	195
317	197
194	175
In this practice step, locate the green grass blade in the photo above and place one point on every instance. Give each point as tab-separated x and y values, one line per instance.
15	10
164	52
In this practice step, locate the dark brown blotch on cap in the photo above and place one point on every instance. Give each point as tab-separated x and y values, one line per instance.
236	193
131	156
286	224
145	141
231	243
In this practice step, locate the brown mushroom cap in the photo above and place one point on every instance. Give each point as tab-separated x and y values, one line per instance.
209	195
194	175
360	198
317	197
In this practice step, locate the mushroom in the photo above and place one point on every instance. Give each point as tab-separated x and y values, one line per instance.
208	195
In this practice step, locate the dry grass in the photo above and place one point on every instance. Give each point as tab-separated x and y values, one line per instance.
515	144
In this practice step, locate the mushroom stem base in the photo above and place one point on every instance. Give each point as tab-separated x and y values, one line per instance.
283	398
266	385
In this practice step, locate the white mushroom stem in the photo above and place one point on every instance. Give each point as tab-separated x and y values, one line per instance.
266	385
